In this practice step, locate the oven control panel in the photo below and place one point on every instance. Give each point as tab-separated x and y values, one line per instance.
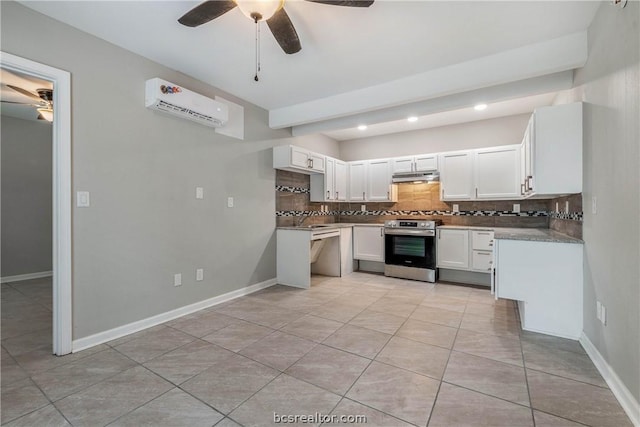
411	224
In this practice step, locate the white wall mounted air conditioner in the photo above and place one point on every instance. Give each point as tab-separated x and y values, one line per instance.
173	99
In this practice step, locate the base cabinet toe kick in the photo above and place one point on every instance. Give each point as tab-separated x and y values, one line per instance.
546	278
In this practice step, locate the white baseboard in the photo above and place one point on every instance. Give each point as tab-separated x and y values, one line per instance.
28	276
620	391
120	331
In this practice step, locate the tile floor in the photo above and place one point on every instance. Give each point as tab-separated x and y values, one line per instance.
400	353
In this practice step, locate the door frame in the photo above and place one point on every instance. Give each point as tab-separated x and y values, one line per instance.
62	199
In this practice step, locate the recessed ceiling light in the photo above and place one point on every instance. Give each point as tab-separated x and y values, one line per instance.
362	127
412	119
480	107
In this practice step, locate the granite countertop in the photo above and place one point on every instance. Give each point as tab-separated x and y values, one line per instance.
312	227
528	234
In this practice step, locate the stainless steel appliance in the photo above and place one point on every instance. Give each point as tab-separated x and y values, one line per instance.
410	249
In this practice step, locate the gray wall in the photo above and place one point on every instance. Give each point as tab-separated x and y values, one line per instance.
26	196
483	133
609	86
142	167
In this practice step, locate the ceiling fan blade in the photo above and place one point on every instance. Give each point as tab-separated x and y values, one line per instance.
41	117
284	32
25	92
21	103
205	12
351	3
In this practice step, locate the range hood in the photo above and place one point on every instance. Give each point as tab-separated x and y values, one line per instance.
427	176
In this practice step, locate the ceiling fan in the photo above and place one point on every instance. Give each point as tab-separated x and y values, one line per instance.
271	11
43	101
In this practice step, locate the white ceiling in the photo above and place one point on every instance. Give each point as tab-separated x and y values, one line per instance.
353	60
25	111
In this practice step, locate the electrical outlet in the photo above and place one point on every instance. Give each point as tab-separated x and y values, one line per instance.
229	202
557	207
566	207
199	274
594	205
363	208
177	279
83	199
516	208
456	208
199	193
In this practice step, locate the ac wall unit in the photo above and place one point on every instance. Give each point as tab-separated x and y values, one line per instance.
173	99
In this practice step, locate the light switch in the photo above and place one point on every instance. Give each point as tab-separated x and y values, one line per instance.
177	279
199	193
83	200
229	202
456	208
199	274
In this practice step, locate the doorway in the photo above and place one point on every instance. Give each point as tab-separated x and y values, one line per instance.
61	193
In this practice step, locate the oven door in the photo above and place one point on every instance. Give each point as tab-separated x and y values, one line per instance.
402	247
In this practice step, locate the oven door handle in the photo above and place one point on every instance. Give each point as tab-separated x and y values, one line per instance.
405	232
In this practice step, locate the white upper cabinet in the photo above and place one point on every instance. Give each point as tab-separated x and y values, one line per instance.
456	175
296	159
340	181
426	162
497	173
379	181
332	185
552	150
357	181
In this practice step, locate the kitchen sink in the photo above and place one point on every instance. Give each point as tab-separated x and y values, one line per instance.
320	225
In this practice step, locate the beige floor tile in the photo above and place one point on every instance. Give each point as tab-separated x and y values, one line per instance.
154	344
279	350
19	399
106	401
486	376
437	316
460	407
42	360
502	349
284	396
228	422
341	311
492	311
11	371
361	341
201	323
62	381
392	306
547	420
238	335
563	363
347	409
187	361
415	356
428	333
444	303
488	325
378	321
397	392
313	328
329	368
555	343
37	340
48	416
175	408
227	385
576	401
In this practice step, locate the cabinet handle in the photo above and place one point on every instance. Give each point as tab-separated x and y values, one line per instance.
381	232
311	163
363	195
483	233
337	192
387	195
476	192
328	196
490	244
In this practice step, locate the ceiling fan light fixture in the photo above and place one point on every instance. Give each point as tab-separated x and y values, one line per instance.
259	10
47	113
362	127
480	107
412	119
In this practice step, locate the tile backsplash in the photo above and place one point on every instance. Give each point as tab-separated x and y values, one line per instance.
423	201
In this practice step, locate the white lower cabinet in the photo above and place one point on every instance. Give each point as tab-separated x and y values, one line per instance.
453	248
368	243
546	279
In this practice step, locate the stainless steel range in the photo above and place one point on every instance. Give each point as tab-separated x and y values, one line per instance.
410	249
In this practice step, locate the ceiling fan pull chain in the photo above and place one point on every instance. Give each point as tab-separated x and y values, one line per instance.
257	48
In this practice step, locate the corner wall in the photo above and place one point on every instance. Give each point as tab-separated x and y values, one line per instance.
609	84
26	197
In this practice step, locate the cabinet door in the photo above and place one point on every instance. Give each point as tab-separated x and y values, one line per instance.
300	157
357	181
527	158
497	173
402	164
427	162
329	179
453	249
456	176
481	261
368	243
379	180
340	181
316	162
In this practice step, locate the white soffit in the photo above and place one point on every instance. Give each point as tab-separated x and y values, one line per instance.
539	59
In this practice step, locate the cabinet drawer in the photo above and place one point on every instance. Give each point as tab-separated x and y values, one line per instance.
482	240
481	260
